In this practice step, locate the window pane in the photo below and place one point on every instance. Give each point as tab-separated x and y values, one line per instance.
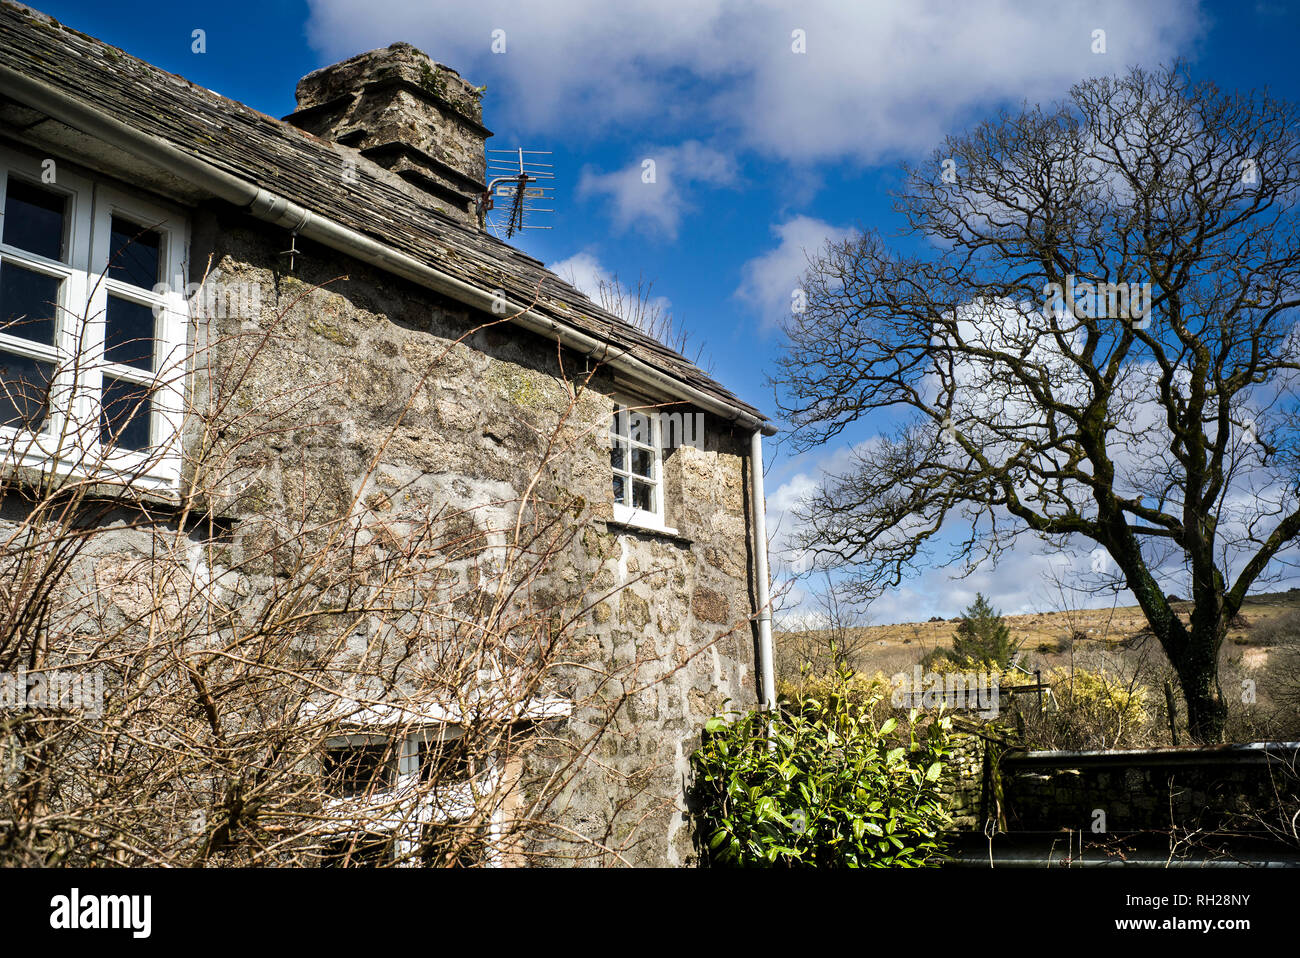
34	219
28	301
618	456
639	427
643	463
620	491
125	414
24	391
134	253
355	769
453	846
643	496
443	762
618	422
129	333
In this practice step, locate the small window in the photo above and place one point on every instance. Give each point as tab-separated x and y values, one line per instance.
378	774
125	414
129	334
444	762
29	303
25	386
93	326
637	467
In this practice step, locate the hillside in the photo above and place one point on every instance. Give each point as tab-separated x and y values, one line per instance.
1046	636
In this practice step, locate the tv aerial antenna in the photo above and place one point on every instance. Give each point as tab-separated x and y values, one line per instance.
517	190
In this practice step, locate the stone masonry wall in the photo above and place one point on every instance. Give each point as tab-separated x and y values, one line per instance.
472	436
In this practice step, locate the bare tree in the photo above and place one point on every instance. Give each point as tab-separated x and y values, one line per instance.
832	634
1094	333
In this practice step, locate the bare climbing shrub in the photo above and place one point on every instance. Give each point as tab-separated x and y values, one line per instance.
298	667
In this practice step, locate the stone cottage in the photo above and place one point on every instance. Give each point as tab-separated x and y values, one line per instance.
315	300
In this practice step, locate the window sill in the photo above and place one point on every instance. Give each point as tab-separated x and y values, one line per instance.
140	492
662	532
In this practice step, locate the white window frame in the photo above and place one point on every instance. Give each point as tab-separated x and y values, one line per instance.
625	512
70	442
406	775
339	742
72	271
171	319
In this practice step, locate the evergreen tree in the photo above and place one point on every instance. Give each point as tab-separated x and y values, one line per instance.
983	638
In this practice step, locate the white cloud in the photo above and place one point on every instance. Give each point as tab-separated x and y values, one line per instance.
652	192
1021	583
1139	448
769	281
878	79
585	271
1024	579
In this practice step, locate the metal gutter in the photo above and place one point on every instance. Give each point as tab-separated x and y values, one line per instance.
279	211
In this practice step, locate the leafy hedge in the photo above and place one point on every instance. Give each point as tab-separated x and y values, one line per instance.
819	784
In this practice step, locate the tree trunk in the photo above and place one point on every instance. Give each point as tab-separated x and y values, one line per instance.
1198	672
1207	713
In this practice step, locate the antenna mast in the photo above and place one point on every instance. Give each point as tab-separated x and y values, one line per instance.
515	178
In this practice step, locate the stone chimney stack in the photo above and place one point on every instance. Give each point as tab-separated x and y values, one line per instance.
409	114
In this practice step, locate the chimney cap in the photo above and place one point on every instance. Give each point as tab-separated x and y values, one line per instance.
400	63
407	113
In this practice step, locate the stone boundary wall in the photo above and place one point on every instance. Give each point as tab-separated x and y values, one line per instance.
1133	791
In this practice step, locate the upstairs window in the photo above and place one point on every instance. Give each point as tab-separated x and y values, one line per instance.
92	325
35	275
637	466
135	299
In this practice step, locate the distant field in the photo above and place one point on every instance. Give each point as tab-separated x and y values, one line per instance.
1045	636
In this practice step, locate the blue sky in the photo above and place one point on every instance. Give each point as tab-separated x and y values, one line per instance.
760	151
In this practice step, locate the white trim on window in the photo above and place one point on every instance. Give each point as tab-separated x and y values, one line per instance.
70	269
636	466
448	804
70	439
167	301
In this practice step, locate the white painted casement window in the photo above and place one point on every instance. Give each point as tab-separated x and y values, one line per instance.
636	461
93	324
376	781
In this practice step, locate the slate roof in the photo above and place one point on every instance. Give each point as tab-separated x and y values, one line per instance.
309	171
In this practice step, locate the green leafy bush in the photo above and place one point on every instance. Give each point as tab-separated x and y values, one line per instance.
819	784
870	691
